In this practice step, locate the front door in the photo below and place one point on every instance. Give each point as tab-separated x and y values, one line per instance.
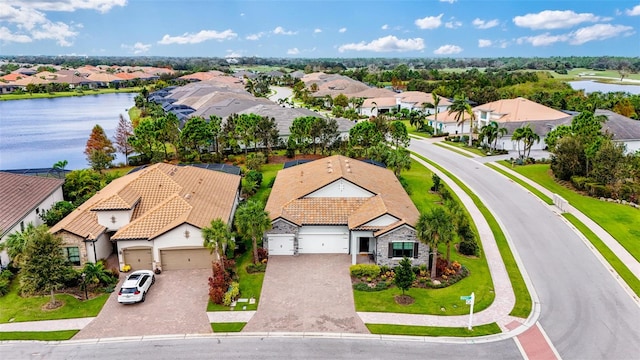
364	245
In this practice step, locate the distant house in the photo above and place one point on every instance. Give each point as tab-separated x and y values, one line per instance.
515	113
22	199
340	205
622	129
152	218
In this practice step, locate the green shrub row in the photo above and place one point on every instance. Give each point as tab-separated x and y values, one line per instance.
231	294
382	285
5	282
365	270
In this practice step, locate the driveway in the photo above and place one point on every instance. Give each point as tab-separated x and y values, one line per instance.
175	304
307	293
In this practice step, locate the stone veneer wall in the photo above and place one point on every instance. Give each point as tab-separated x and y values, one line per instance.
403	233
71	240
282	227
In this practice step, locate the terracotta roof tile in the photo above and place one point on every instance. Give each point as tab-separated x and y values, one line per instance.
322	211
520	109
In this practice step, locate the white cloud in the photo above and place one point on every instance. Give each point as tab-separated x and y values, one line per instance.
635	11
599	32
317	31
137	48
429	22
482	43
199	37
482	24
385	44
342	30
68	5
279	30
555	19
453	24
448	50
60	32
254	37
232	54
6	35
241	14
384	27
448	1
293	51
545	39
25	17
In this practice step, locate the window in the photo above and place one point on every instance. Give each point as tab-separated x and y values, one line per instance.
402	249
22	226
73	255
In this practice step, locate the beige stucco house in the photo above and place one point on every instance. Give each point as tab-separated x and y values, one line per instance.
341	205
152	218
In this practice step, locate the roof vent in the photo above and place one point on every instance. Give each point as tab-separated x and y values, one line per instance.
187	196
330	171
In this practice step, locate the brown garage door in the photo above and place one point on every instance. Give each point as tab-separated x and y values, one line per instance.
178	259
138	259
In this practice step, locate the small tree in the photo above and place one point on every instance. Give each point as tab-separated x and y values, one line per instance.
57	212
99	149
217	238
45	268
404	275
124	130
252	221
16	243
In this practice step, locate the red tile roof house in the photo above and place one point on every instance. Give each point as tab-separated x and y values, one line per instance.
22	199
343	206
153	217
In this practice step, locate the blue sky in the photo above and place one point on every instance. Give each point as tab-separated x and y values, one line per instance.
315	29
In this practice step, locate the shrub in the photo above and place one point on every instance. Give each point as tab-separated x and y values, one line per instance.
218	283
5	282
262	254
255	161
579	182
468	247
231	294
256	268
381	285
255	176
365	270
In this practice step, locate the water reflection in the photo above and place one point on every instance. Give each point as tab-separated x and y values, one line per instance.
37	133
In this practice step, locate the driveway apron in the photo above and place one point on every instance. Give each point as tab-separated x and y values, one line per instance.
175	304
307	293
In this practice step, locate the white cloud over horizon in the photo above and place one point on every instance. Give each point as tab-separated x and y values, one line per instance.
555	19
137	48
388	43
482	24
482	43
448	50
429	22
583	35
203	35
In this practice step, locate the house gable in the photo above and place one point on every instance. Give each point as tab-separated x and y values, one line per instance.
341	188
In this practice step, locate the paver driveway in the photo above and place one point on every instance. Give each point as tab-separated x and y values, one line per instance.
307	293
175	304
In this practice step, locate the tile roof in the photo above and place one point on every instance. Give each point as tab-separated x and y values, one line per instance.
164	196
520	109
284	117
20	194
288	197
620	127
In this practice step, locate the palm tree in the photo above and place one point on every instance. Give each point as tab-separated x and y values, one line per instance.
95	273
217	238
459	108
16	244
458	220
60	165
433	228
472	116
252	221
528	137
491	133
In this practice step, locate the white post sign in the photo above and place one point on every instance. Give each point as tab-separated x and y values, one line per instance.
469	300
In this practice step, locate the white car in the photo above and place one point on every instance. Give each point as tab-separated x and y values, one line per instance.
134	288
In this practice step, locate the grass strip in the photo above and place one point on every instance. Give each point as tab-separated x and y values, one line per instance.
227	327
523	304
522	183
455	150
385	329
38	335
250	284
612	259
67	93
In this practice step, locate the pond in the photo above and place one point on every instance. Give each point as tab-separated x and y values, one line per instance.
590	86
37	133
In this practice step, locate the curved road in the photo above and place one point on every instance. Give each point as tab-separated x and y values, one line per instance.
584	311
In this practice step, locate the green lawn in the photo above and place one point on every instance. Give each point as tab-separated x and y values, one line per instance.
38	335
480	330
250	285
66	94
523	304
227	327
573	74
465	146
431	301
621	221
12	306
269	172
413	131
612	259
524	184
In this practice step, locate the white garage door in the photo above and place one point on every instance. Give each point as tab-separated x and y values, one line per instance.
323	240
280	244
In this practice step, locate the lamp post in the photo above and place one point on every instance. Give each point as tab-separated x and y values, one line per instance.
84	284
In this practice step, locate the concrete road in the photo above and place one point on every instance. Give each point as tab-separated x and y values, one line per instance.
257	347
281	92
584	311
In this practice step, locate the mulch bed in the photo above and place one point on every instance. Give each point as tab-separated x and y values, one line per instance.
403	299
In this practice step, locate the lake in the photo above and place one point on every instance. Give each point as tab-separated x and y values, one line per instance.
590	86
37	133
